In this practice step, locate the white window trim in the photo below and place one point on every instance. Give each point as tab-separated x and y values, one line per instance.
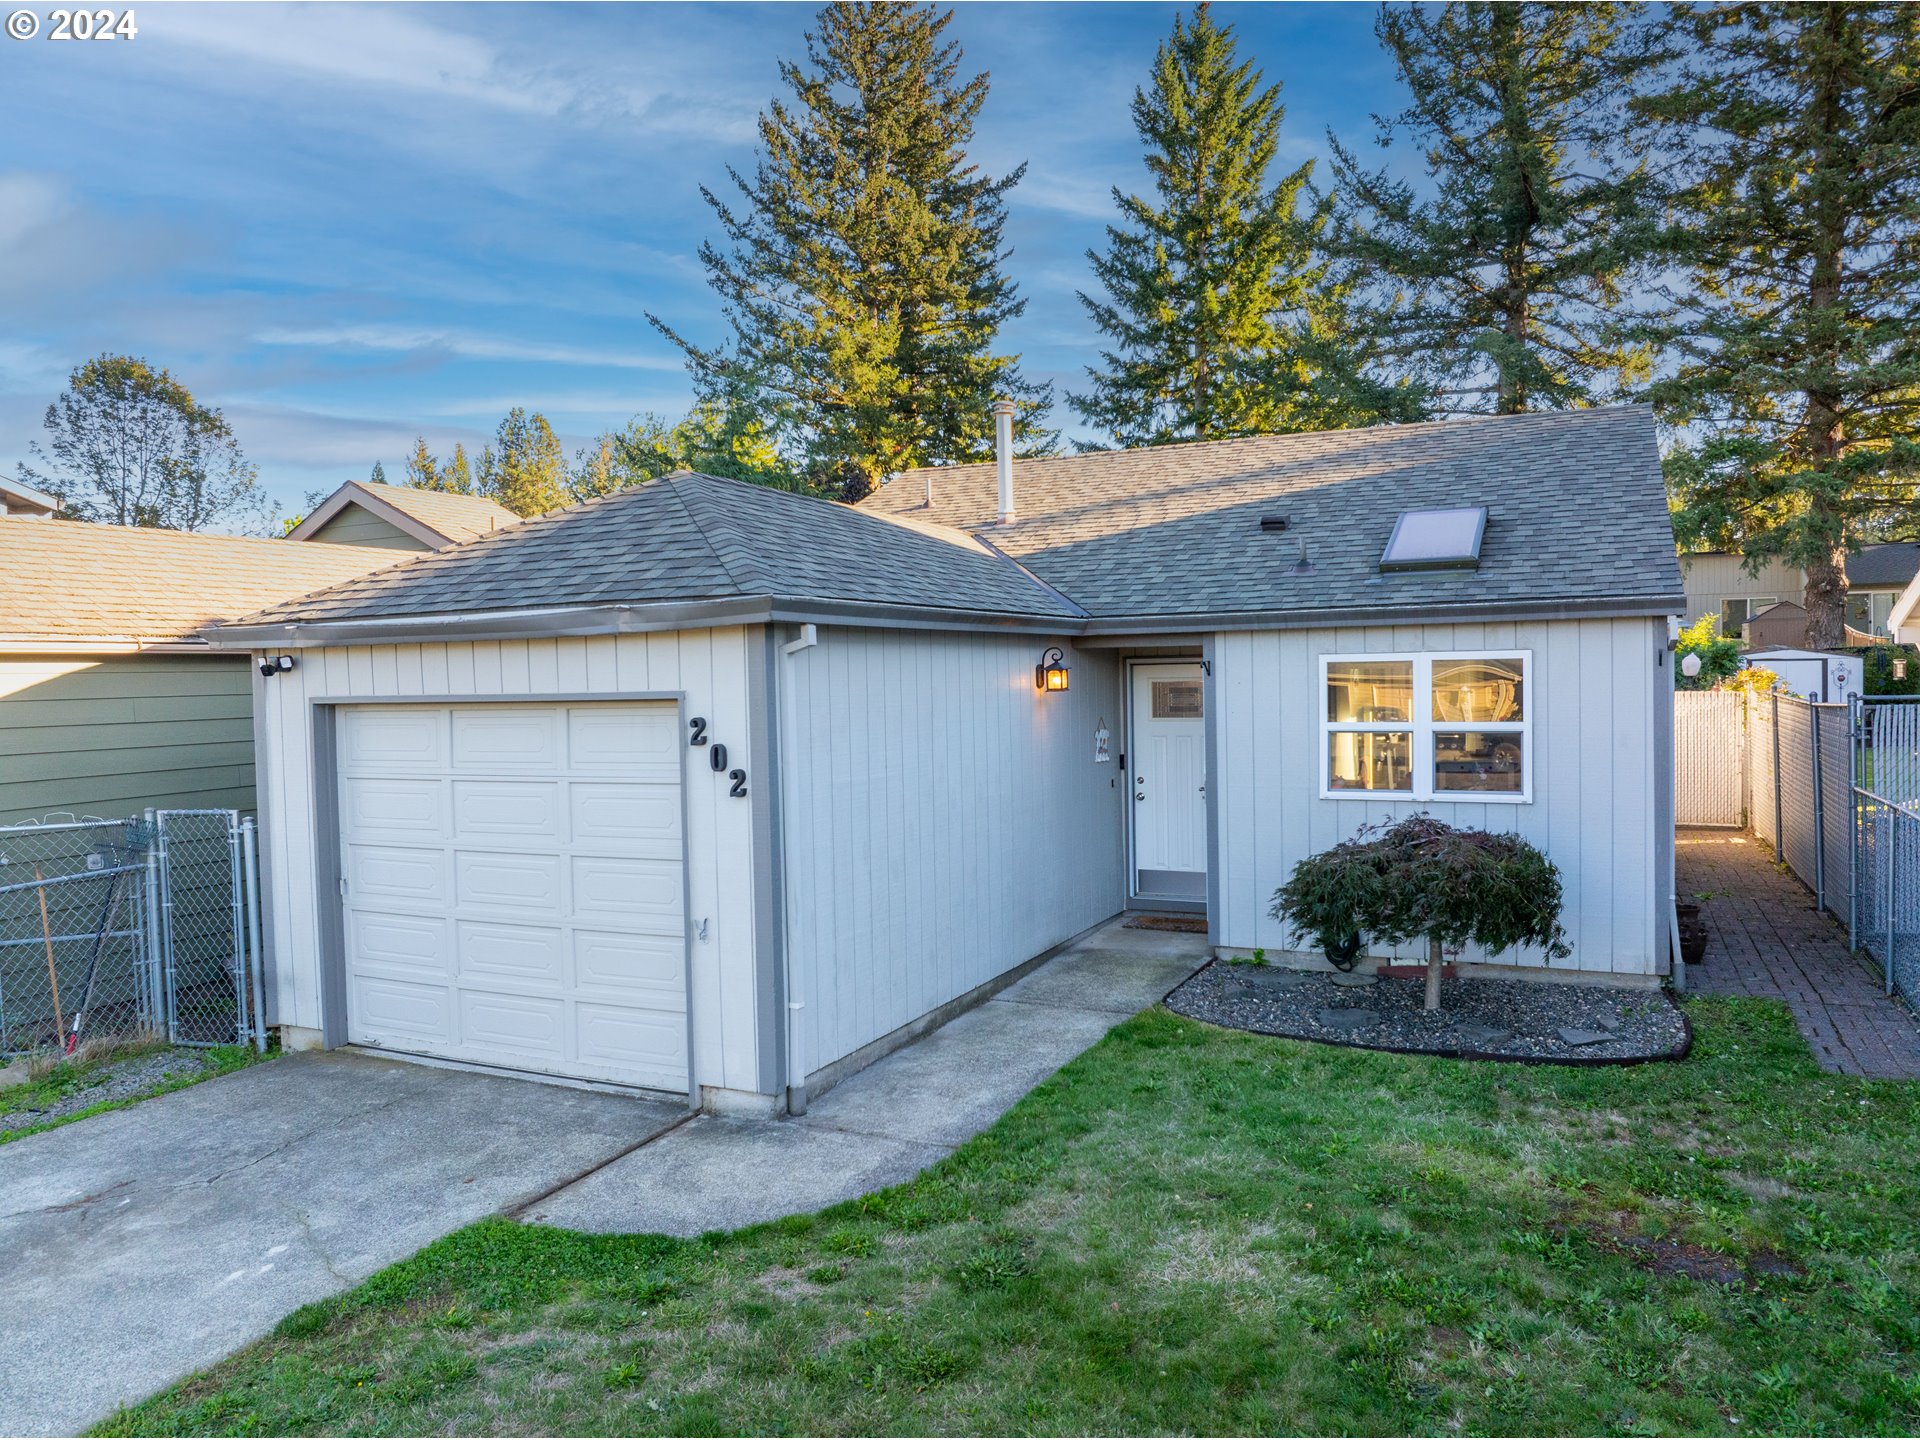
1423	725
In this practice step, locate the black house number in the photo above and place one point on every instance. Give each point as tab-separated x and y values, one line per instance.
738	790
717	757
699	728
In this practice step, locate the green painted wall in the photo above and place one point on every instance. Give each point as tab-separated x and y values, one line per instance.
112	735
357	526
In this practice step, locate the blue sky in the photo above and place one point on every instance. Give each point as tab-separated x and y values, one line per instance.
347	225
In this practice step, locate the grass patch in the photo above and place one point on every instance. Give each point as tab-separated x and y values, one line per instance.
69	1078
1196	1230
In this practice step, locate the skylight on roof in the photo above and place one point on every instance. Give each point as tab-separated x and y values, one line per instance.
1436	540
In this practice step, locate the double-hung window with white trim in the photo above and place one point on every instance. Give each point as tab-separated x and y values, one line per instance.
1429	726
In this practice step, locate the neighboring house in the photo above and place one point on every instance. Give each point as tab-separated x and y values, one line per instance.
399	517
710	787
1780	626
1903	617
1718	585
24	500
109	700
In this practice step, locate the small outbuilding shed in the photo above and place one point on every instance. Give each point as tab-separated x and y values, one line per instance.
714	787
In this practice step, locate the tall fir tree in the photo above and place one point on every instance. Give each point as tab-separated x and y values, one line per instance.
1795	332
378	475
1221	317
1496	284
528	472
862	279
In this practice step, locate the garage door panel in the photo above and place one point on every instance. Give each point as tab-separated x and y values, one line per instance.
405	738
400	946
633	740
644	1041
512	740
643	895
617	964
394	872
527	884
383	807
515	886
524	1026
533	955
647	817
510	809
389	1012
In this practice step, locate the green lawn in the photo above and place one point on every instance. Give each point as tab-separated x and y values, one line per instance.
1195	1230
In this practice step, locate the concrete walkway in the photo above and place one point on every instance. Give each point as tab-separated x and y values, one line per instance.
139	1246
893	1119
1767	939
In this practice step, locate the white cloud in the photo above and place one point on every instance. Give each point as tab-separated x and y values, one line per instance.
465	345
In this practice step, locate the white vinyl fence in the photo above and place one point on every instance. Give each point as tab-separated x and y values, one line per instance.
1834	789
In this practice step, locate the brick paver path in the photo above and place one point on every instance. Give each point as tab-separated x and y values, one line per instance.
1765	938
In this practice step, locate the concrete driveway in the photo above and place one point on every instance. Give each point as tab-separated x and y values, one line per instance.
144	1244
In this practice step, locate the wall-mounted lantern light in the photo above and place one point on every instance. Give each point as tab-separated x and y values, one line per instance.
273	665
1899	669
1051	672
1690	666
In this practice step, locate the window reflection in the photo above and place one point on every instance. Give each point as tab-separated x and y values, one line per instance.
1369	690
1370	760
1478	691
1478	761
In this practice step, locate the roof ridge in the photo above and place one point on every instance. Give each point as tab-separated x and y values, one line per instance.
673	481
1271	435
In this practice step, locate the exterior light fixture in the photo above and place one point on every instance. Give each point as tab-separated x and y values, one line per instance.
273	665
1051	672
1690	666
1899	669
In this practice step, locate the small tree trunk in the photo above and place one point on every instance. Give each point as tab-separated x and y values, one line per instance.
1434	962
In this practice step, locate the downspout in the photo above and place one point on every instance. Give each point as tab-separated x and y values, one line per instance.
796	1077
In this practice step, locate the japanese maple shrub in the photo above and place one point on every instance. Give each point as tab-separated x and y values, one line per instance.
1420	876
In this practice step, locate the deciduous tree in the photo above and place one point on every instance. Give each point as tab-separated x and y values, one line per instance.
129	445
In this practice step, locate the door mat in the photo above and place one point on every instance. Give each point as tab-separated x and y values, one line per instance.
1179	924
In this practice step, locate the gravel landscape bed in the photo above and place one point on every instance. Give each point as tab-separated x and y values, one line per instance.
1533	1020
115	1080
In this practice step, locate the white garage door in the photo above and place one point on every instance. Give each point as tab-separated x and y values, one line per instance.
513	887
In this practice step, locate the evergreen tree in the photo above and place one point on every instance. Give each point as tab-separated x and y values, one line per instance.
1496	284
710	440
1222	318
1796	330
379	475
862	281
528	474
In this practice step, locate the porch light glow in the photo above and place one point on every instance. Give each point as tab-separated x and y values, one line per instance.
1051	672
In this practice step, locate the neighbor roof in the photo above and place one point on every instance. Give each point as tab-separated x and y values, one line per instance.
691	538
433	517
1885	567
19	498
1576	506
64	580
1153	539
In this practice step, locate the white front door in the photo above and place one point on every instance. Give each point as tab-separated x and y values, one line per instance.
1167	763
513	889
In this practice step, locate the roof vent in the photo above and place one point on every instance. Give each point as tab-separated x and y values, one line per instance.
1436	540
1301	564
1273	524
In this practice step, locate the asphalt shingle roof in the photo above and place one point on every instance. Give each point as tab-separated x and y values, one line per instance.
1884	566
1576	511
691	537
65	580
458	517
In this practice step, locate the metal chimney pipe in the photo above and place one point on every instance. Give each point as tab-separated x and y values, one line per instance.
1003	412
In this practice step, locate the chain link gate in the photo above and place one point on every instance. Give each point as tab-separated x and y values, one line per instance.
132	929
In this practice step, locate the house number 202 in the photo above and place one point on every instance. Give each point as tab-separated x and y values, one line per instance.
717	759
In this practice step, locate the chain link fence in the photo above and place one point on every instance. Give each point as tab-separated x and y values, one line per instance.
141	928
1886	801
